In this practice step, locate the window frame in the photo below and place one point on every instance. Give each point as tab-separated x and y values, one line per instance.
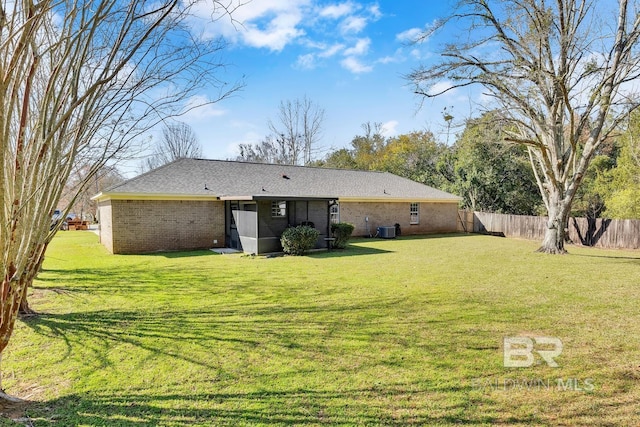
334	217
414	214
278	209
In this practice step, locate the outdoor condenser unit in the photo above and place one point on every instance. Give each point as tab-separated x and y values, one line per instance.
387	232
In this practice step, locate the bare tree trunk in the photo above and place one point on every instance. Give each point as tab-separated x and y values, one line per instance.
25	310
69	97
27	279
556	232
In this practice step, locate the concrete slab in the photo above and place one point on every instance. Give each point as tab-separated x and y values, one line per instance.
224	251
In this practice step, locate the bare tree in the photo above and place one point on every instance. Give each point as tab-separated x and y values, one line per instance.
79	83
299	127
178	141
79	201
270	150
563	73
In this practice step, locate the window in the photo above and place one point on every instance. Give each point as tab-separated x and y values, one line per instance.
278	208
414	213
334	213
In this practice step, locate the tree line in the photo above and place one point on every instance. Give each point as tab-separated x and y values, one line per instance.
489	173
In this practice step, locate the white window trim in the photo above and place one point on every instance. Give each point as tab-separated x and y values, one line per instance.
334	215
414	216
277	211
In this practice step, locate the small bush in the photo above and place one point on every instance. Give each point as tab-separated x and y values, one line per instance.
342	233
298	240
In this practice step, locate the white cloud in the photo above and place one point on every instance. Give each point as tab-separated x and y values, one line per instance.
276	24
361	48
387	60
200	107
397	57
416	54
270	24
279	32
355	66
390	128
331	50
306	62
409	35
374	10
441	87
353	25
336	11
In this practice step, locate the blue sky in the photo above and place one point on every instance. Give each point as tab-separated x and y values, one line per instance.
349	57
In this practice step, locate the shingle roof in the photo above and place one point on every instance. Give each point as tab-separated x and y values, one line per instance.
225	179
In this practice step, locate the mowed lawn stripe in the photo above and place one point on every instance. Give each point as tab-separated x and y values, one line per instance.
396	332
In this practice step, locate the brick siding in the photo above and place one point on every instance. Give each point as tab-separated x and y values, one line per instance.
434	217
138	226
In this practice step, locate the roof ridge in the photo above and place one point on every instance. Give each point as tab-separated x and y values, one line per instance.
289	166
142	175
185	177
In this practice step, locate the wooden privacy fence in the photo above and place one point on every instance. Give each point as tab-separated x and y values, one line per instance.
601	232
465	221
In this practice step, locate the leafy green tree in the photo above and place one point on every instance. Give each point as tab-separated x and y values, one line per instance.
339	159
367	147
491	175
363	152
590	197
414	155
621	184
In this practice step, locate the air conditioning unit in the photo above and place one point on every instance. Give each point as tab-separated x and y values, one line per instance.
387	232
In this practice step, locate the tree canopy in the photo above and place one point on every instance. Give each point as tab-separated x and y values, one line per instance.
490	174
561	72
619	186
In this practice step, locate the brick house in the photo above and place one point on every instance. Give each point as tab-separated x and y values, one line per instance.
195	204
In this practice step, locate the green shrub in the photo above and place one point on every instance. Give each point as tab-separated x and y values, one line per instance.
298	240
341	231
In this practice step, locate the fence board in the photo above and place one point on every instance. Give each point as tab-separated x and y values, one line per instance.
601	232
465	221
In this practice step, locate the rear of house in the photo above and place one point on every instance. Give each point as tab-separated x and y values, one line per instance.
196	204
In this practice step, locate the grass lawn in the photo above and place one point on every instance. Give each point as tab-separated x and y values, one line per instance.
397	332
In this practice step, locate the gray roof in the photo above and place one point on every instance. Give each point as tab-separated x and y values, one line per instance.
231	179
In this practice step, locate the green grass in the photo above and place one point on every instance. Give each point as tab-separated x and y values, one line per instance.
401	332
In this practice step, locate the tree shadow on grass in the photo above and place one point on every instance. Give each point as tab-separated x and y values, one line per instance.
349	251
287	332
239	326
437	236
182	254
355	248
356	406
137	279
611	257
